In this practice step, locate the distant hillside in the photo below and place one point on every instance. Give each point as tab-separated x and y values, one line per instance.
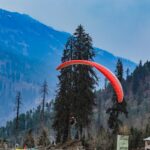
29	54
137	95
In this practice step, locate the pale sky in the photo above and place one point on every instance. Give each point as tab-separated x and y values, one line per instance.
120	26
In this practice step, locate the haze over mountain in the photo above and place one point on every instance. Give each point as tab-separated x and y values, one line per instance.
29	53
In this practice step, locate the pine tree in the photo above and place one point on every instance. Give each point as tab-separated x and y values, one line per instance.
22	122
62	104
127	73
84	80
138	74
114	112
44	93
75	98
18	104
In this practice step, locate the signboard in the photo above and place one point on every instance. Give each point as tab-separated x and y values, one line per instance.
122	142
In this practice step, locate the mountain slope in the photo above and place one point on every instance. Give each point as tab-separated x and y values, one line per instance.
29	54
24	35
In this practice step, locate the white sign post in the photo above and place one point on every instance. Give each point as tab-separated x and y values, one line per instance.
122	142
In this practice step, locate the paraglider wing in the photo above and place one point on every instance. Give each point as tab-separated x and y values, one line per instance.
106	72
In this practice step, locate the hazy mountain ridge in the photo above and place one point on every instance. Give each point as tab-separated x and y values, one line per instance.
29	54
25	35
109	60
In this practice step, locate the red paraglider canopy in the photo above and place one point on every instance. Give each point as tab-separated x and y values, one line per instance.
106	72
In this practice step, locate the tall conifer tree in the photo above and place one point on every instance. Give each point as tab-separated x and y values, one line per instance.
84	80
44	93
18	104
62	104
114	121
75	98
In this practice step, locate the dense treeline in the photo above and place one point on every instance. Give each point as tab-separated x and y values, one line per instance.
137	95
29	120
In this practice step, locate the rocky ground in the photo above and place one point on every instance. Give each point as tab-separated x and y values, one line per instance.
70	145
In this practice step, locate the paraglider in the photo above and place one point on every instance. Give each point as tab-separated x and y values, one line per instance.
106	72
